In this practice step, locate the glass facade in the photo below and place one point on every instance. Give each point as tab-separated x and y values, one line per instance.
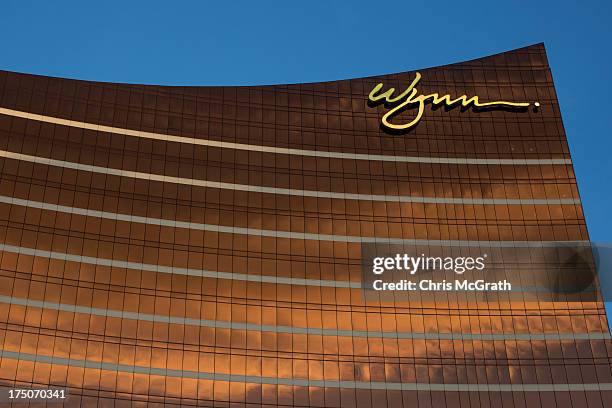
201	245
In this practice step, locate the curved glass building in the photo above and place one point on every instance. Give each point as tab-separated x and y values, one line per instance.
202	246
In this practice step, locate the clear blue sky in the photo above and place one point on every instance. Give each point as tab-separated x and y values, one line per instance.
251	42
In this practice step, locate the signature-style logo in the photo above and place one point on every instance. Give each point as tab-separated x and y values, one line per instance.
410	99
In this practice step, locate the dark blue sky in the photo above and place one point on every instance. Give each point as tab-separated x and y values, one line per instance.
250	42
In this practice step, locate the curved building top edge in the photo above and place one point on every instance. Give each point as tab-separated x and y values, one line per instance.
274	85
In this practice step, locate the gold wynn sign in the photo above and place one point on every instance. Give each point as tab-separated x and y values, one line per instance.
410	98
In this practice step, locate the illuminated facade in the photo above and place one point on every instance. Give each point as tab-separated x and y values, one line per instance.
201	245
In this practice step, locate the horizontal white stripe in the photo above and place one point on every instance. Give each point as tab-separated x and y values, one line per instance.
275	190
114	263
262	232
174	270
271	149
315	331
370	385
